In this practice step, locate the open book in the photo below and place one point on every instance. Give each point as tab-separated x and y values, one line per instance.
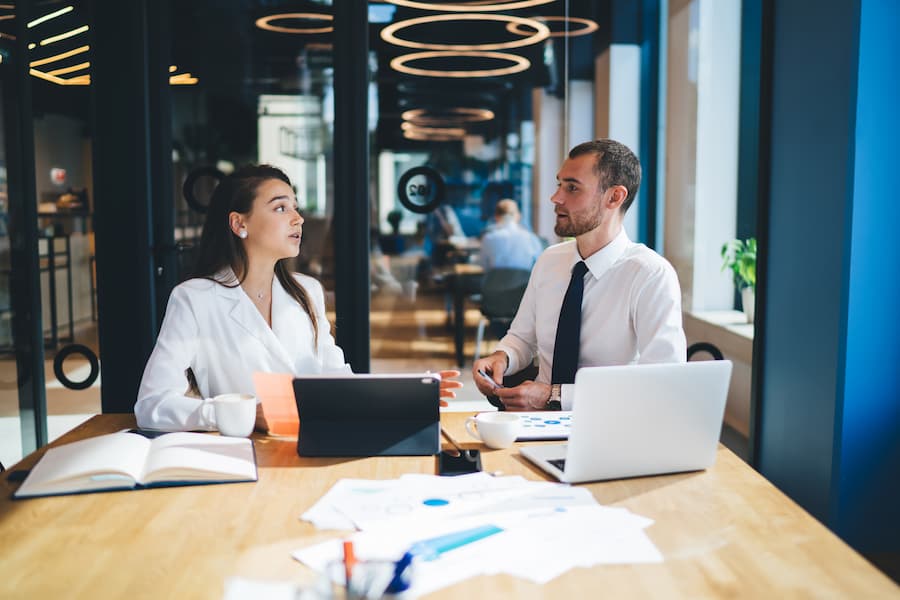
124	460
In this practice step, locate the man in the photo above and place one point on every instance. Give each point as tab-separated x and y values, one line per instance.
508	244
599	299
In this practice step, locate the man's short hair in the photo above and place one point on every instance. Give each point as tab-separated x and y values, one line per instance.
506	208
615	164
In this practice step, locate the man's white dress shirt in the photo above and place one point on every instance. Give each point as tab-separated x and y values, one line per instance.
630	312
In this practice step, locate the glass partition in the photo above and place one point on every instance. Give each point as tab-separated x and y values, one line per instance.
472	105
252	83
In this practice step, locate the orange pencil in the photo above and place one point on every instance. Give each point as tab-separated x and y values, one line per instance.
349	561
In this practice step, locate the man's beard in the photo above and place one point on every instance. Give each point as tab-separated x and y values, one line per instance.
578	225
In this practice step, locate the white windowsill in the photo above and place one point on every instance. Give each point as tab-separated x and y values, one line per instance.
728	330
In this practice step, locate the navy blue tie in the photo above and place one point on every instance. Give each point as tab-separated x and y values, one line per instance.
568	330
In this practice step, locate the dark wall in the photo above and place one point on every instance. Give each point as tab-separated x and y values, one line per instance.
827	424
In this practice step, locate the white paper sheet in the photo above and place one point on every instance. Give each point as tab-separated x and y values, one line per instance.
548	528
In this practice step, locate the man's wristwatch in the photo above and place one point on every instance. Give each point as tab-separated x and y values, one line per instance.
554	402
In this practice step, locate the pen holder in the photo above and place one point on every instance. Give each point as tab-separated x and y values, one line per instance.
369	580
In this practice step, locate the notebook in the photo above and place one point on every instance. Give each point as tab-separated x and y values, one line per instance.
636	420
128	460
368	415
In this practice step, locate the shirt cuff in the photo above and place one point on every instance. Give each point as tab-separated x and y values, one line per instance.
567	395
208	415
512	365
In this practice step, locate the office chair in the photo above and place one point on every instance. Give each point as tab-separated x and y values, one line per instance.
501	293
711	349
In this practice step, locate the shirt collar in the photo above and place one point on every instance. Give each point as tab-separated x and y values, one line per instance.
601	260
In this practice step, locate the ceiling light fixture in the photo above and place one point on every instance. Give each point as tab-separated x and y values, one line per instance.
183	79
7	17
589	26
455	131
431	137
447	116
520	63
541	32
79	80
52	15
6	36
266	23
64	36
32	46
474	7
172	68
72	69
60	56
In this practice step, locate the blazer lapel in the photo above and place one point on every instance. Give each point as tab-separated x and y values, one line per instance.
246	315
242	311
288	326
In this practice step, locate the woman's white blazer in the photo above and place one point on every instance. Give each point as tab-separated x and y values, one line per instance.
219	334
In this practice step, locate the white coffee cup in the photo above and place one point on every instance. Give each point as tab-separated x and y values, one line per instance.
235	414
496	429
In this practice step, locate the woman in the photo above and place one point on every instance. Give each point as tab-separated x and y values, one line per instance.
243	311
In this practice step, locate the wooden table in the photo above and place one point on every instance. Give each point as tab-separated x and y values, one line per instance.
725	532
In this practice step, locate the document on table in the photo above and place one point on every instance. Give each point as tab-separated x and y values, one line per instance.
547	528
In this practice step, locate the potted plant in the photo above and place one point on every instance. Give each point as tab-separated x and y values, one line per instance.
740	257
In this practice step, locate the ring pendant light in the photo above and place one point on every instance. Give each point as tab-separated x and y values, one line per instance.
519	64
470	7
447	116
266	23
541	32
589	26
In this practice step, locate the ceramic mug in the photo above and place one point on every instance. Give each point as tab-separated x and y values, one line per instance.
496	429
235	414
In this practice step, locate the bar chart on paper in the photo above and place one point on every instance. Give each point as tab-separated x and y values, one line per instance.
545	425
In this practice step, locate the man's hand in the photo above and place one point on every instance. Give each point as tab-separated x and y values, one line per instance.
528	396
494	365
448	384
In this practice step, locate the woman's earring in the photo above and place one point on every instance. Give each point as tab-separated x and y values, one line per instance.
243	234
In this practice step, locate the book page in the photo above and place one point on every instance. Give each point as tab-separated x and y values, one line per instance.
106	461
199	457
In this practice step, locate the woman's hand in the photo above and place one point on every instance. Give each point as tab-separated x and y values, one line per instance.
261	424
448	384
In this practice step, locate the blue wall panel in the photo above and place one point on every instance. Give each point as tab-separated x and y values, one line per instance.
868	498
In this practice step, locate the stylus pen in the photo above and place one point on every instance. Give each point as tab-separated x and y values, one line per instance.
453	443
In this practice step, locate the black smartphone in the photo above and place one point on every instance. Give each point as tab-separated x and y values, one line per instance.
468	461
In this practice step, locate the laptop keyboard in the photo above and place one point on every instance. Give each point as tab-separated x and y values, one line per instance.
559	463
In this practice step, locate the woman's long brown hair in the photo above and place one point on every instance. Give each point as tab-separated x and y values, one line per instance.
220	248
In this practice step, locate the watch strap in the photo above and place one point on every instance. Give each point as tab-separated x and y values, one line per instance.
554	402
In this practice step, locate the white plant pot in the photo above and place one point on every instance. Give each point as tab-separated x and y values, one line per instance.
748	301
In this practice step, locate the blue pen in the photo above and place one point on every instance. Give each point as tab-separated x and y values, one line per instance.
431	548
400	582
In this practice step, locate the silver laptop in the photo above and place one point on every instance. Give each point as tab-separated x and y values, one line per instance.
638	420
